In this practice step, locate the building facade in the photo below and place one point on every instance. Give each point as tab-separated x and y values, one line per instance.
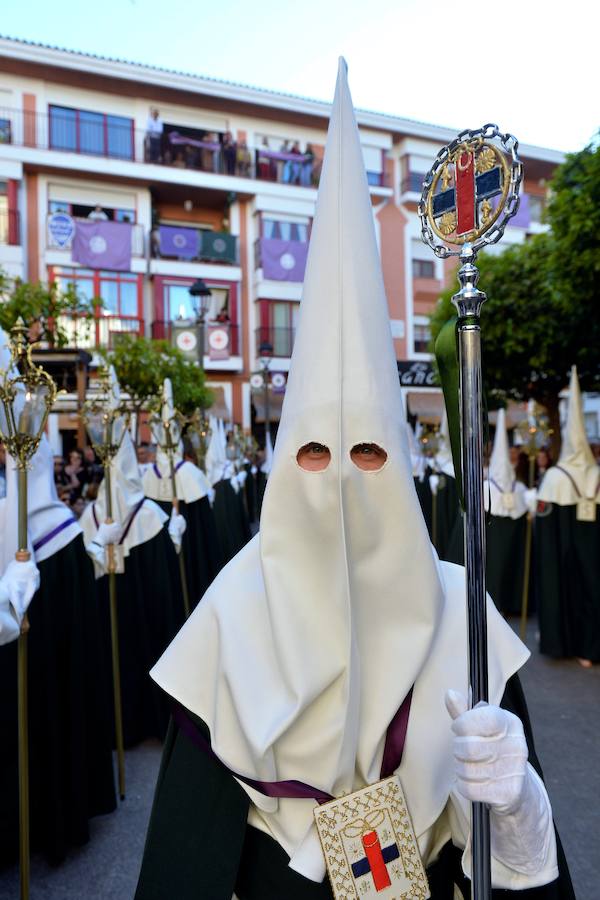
205	180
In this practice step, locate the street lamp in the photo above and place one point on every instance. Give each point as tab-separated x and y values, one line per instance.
200	294
27	394
106	423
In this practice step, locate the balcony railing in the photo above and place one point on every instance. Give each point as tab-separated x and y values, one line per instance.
412	183
102	331
194	245
167	331
280	339
94	134
63	240
10	227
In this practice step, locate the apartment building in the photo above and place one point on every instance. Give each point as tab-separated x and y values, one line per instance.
134	183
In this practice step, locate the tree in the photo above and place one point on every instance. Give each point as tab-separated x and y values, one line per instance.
47	310
541	314
142	365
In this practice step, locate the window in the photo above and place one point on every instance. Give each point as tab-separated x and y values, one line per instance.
421	337
178	302
285	231
5	132
536	207
57	206
120	291
283	317
423	268
90	132
4	229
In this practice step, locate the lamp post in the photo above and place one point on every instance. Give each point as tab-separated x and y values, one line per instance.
200	294
27	394
265	354
166	430
106	423
534	433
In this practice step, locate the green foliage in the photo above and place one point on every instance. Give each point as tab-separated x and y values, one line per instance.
541	315
142	365
45	309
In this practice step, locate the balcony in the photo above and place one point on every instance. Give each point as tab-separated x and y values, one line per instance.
194	245
280	339
411	185
102	331
61	238
113	137
10	227
167	331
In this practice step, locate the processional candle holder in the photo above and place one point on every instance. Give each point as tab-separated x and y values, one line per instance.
27	394
106	423
199	432
468	197
534	433
167	430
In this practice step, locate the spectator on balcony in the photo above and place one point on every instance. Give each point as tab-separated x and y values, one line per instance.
154	135
98	214
179	160
209	157
306	171
244	159
229	148
283	168
264	162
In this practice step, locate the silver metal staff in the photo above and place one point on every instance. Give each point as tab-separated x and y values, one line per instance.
106	423
27	394
470	193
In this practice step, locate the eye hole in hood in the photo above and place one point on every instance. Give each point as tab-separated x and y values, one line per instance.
313	457
368	457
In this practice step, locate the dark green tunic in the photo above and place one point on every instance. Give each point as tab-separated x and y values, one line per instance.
200	544
150	613
200	845
505	562
70	726
232	523
567	569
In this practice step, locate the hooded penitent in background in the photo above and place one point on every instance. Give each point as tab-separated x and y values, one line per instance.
567	545
70	731
232	529
449	541
149	595
303	650
505	501
200	545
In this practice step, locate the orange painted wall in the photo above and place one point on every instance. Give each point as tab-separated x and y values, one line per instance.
392	224
29	120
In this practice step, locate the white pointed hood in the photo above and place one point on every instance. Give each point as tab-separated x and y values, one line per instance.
443	458
216	460
501	482
306	644
191	483
576	458
141	519
268	463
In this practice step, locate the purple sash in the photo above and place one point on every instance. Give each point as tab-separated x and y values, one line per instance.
48	537
392	755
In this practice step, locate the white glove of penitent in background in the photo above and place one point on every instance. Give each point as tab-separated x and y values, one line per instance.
21	580
490	763
177	526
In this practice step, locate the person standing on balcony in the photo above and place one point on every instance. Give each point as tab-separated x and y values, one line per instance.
98	214
154	134
244	160
284	169
263	161
306	171
229	153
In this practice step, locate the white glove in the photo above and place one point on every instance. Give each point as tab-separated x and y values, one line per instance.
9	627
21	580
108	534
490	764
242	475
177	526
531	500
434	480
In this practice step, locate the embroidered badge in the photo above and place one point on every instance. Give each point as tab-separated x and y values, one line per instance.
369	845
586	510
508	500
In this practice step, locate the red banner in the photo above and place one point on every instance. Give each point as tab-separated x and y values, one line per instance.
465	192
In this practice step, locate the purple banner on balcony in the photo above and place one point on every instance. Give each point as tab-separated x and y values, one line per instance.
523	216
103	245
183	242
283	260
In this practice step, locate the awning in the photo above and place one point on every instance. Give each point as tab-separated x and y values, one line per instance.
427	406
219	407
275	404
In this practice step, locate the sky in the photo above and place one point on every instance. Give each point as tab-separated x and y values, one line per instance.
529	66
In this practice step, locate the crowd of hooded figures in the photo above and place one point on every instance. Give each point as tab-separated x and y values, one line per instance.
66	587
557	572
328	653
